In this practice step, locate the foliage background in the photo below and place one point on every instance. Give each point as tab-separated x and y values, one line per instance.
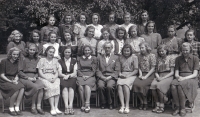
26	15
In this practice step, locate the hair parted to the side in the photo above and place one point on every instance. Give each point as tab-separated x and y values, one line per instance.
133	27
48	48
168	49
127	46
194	33
32	45
62	55
140	18
149	22
31	35
148	48
99	18
86	46
9	54
122	29
87	29
185	45
50	33
68	14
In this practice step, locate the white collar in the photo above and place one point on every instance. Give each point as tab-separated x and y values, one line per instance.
67	60
87	57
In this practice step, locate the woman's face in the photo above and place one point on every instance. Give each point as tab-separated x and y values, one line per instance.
127	19
53	38
121	34
190	36
68	19
52	21
67	37
50	53
106	35
186	51
171	32
162	52
126	52
111	18
17	38
143	49
150	27
90	32
32	50
67	53
15	55
95	19
133	32
87	52
36	37
82	18
144	16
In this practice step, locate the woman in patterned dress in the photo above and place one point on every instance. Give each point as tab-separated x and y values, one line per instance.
164	75
29	77
128	65
48	69
185	84
147	63
86	77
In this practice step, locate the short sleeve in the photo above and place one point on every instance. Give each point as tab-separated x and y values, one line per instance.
2	66
171	62
196	63
152	60
40	63
59	68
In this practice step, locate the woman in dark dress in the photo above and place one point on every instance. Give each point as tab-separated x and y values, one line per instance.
147	63
10	86
68	78
86	77
185	84
29	77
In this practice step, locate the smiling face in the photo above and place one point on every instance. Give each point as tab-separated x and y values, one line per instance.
121	34
190	36
15	55
52	21
68	19
162	52
150	27
36	37
143	49
127	19
67	53
50	53
171	32
90	32
106	35
126	52
67	37
186	51
17	38
32	50
82	19
95	19
52	38
133	32
144	16
87	52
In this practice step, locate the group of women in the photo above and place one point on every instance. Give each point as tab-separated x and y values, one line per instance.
57	60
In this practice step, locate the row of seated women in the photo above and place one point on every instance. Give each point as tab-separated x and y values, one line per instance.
33	77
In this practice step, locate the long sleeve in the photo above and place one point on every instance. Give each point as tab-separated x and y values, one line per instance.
98	72
79	73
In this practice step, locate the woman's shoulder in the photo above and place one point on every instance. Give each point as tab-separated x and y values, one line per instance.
4	60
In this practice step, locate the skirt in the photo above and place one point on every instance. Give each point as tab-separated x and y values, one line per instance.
8	89
51	89
164	85
31	87
127	81
142	86
189	86
91	82
71	82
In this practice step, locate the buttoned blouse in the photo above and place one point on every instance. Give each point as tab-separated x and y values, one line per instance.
165	64
146	62
120	43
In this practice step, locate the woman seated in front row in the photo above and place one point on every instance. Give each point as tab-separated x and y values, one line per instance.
10	86
163	77
68	78
86	77
147	63
185	84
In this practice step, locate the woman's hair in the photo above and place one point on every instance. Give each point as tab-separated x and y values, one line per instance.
99	18
36	52
123	29
148	48
85	46
127	46
62	55
9	55
186	44
164	47
86	17
50	17
133	27
87	29
154	30
172	26
50	35
72	36
31	35
113	13
68	14
105	29
140	18
194	33
12	36
48	48
127	13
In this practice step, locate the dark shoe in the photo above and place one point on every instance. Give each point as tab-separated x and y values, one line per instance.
66	111
34	111
71	111
13	113
19	112
141	107
110	106
145	107
176	112
40	111
103	106
182	112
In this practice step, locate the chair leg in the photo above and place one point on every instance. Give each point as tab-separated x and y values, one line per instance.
133	99
2	101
